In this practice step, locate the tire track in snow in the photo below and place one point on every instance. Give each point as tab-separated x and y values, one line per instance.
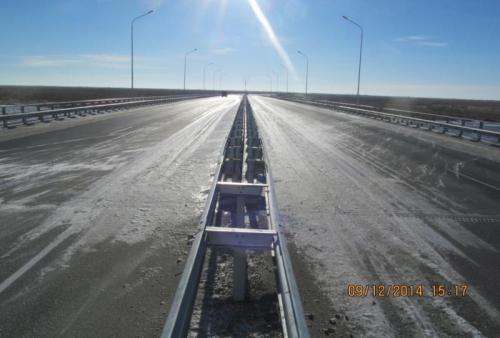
302	141
84	209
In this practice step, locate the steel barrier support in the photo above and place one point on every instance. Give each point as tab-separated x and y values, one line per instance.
82	110
233	191
433	125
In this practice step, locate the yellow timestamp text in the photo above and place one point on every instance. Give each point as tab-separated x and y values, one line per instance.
407	290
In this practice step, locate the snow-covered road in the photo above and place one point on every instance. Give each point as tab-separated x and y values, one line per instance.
96	216
366	202
96	213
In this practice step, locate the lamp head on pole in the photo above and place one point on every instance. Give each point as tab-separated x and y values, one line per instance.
141	16
353	22
191	51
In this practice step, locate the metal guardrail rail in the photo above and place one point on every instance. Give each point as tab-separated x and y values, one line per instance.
432	116
58	114
431	124
242	178
457	130
23	108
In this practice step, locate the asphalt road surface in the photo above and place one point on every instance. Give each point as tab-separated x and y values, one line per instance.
96	213
371	203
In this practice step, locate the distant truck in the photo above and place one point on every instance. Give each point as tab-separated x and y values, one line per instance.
223	93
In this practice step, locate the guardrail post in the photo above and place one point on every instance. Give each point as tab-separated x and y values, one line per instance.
479	135
240	275
4	112
460	130
240	257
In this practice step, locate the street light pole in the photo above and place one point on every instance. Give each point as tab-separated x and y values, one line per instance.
213	78
132	47
204	72
360	51
307	67
185	64
220	80
286	72
277	81
270	82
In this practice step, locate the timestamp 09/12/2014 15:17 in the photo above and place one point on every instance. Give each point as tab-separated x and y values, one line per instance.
406	290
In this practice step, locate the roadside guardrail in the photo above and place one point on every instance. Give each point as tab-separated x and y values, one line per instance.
24	108
28	118
453	126
457	130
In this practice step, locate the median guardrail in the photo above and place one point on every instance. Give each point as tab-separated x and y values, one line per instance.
242	180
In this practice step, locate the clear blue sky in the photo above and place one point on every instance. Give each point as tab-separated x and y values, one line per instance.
445	48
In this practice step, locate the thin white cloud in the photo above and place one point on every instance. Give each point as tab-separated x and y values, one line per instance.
44	61
223	51
266	26
421	40
413	38
106	58
100	60
432	44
